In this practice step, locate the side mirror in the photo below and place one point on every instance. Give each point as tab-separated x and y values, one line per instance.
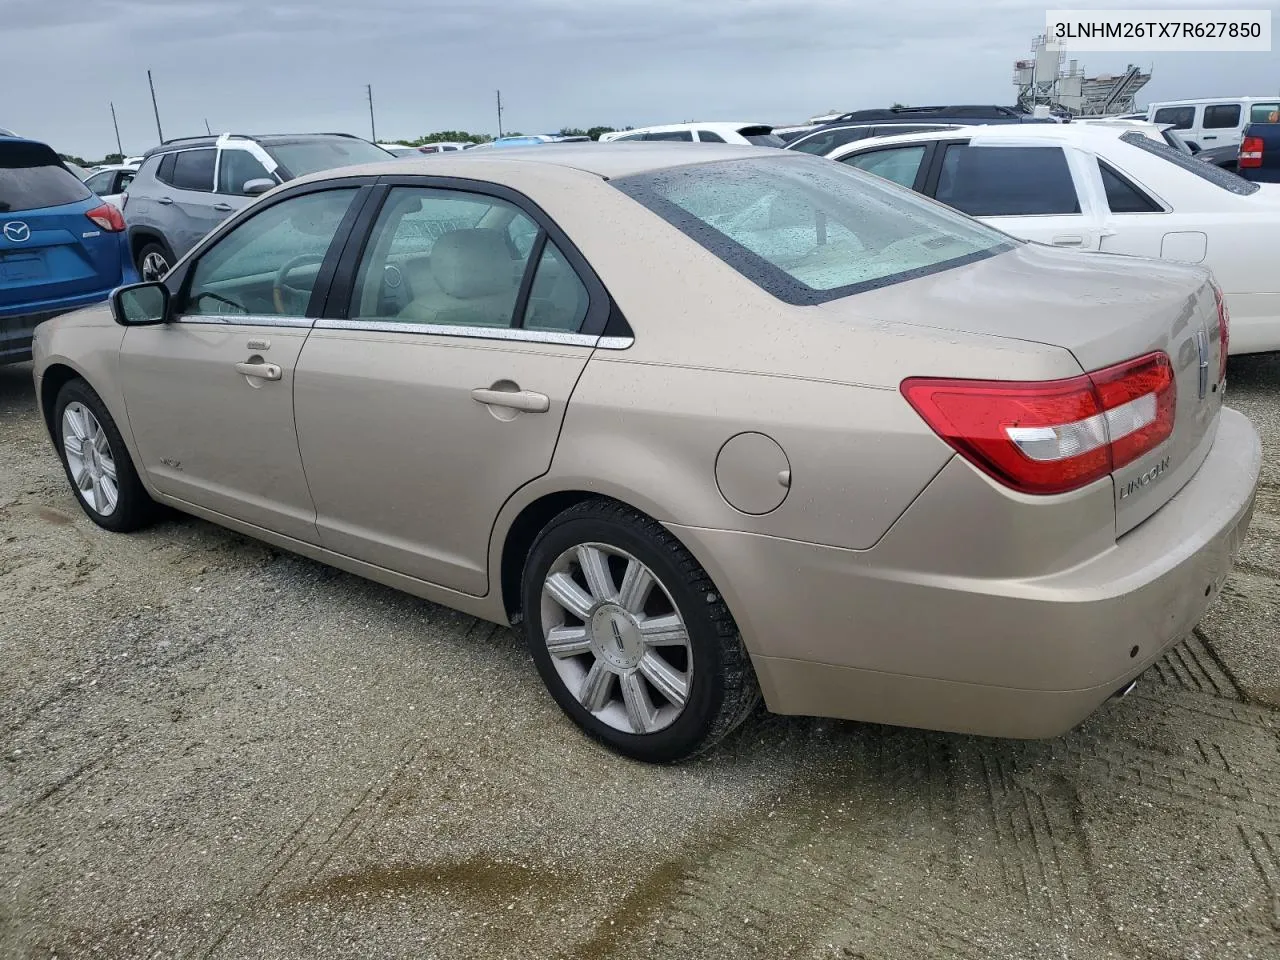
140	304
256	188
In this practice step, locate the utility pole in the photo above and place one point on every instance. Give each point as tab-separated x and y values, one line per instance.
119	149
499	113
151	84
373	131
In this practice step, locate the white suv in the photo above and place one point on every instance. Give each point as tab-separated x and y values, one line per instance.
759	134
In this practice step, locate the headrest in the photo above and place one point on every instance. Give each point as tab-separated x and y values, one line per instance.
472	263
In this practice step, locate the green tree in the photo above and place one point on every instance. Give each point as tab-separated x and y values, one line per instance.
449	136
898	106
572	132
594	132
72	158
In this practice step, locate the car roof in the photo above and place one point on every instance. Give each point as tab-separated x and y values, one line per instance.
718	126
607	161
1083	134
207	140
1200	100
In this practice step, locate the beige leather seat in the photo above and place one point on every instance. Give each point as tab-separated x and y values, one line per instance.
471	281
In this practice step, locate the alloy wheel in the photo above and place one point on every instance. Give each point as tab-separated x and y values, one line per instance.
89	459
154	266
616	638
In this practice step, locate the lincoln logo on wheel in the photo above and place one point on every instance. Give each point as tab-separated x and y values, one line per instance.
617	636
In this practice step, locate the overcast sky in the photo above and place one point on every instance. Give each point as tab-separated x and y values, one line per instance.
298	65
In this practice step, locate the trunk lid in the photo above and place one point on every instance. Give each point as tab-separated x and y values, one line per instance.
1104	309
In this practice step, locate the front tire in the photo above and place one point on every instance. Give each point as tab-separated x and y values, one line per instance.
97	461
631	637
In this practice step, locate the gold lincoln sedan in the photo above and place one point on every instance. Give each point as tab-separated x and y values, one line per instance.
710	423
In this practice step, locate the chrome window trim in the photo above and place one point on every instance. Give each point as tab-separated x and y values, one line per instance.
244	319
475	333
615	343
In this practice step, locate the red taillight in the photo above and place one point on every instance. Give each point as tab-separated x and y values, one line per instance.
107	217
1224	332
1250	152
1056	435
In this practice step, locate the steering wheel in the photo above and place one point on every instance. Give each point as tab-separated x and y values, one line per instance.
282	293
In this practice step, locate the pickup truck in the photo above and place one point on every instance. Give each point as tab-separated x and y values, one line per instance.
1260	147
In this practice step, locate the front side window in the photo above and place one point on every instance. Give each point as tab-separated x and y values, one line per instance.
443	257
1182	118
31	178
899	164
1215	174
193	169
1007	181
238	167
808	232
267	265
1221	116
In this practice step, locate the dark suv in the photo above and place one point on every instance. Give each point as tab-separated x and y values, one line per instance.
186	187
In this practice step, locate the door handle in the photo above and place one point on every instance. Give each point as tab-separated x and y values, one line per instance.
222	207
164	200
1068	241
263	371
525	401
1210	136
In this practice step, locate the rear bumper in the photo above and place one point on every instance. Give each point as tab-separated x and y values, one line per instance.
996	656
18	323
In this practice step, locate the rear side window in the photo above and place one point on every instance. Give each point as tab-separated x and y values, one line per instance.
670	135
1007	181
708	136
1264	113
1221	116
822	142
193	170
1215	174
164	172
1182	118
32	178
1123	196
808	232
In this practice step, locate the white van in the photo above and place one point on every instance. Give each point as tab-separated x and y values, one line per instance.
1212	122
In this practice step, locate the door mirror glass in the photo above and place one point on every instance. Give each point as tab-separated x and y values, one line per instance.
255	188
141	304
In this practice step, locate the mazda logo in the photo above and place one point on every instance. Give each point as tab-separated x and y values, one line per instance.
17	231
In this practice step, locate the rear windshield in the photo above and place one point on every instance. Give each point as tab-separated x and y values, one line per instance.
311	156
762	136
809	231
1215	174
31	177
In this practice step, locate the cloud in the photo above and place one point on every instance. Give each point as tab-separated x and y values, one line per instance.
292	65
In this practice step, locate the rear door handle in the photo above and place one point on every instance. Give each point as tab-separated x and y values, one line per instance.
1068	241
222	207
524	400
1210	136
263	371
165	200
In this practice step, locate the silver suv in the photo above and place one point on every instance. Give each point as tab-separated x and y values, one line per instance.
186	187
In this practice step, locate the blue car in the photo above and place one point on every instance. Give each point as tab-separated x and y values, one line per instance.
61	247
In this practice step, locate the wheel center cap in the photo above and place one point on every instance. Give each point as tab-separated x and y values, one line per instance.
615	638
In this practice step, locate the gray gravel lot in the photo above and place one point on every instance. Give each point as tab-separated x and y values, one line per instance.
211	749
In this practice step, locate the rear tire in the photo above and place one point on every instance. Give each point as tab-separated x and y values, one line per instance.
154	261
97	461
651	664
